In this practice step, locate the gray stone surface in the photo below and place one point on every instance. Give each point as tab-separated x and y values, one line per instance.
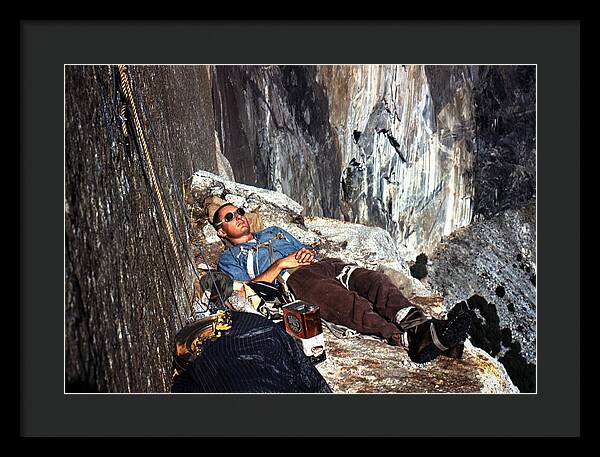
416	150
492	253
365	364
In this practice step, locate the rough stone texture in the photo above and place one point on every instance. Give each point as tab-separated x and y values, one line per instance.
365	363
505	140
356	243
501	102
416	150
396	170
272	124
125	295
492	266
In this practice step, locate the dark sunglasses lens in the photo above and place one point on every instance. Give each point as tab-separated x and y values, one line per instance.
230	215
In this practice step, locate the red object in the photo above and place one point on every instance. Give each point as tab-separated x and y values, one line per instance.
302	319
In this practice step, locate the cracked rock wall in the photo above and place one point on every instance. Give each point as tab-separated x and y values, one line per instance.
416	150
399	171
126	295
491	266
272	123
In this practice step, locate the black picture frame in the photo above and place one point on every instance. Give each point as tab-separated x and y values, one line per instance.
46	46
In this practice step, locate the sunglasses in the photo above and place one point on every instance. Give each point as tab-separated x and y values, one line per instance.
230	215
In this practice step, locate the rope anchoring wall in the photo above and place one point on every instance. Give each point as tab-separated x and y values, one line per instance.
128	285
128	95
126	89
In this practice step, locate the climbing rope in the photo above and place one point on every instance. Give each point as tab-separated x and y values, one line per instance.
188	222
341	331
126	88
155	183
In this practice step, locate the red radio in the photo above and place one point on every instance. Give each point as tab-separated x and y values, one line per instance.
303	322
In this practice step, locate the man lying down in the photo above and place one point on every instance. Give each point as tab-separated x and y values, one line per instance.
358	298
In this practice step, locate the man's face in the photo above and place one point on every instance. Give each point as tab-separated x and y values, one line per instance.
236	228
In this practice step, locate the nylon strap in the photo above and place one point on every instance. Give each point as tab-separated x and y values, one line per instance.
250	264
344	276
249	252
435	338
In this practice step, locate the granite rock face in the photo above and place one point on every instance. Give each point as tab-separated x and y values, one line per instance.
126	285
364	365
396	171
357	363
416	150
505	139
413	152
272	124
491	265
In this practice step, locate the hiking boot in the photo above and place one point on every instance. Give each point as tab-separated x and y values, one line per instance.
398	339
434	337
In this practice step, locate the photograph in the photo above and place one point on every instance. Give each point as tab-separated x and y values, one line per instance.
328	229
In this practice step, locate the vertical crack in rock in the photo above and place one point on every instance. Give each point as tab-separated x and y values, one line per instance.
278	133
396	146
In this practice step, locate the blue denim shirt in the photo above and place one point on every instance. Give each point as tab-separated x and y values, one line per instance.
234	261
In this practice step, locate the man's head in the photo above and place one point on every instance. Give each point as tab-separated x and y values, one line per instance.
230	223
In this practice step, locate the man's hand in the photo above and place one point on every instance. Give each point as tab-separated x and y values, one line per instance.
295	259
304	256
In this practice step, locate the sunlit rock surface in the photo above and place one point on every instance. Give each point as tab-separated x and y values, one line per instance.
416	150
362	363
396	170
366	246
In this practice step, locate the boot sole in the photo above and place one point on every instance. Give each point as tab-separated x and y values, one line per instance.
455	333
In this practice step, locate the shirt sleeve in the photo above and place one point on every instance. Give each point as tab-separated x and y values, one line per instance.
232	267
295	243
